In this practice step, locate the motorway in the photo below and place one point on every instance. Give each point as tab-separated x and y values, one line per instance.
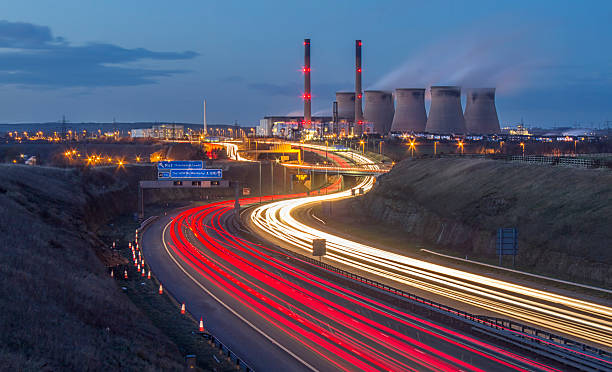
278	316
576	318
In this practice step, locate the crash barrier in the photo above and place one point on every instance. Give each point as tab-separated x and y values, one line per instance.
562	349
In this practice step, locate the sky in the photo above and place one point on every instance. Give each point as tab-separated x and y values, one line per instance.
550	60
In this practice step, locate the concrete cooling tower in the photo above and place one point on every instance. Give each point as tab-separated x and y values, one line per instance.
410	115
445	113
378	110
480	112
346	105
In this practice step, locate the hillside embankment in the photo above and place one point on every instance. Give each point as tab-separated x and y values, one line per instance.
61	309
563	214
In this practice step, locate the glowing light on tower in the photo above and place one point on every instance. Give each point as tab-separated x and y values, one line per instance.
307	94
358	128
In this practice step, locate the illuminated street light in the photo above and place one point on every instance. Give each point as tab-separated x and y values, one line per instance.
522	144
460	146
412	147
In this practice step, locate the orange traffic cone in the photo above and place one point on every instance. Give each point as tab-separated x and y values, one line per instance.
138	267
113	245
125	274
112	274
201	325
143	274
183	308
161	289
149	274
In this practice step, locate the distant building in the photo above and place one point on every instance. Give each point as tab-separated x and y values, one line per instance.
162	131
285	126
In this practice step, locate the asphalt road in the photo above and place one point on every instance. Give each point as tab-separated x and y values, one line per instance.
277	316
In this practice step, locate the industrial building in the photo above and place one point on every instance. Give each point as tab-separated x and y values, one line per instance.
386	113
289	126
162	131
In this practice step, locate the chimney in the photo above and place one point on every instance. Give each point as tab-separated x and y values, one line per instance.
307	94
480	112
379	110
445	113
358	127
410	115
205	126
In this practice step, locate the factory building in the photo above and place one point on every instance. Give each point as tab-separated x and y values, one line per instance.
289	126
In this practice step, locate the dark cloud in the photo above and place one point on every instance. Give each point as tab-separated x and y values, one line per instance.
38	58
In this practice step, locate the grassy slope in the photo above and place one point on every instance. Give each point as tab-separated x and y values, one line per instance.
61	311
563	214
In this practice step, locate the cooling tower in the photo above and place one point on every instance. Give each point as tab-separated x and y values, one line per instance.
358	115
346	105
480	113
379	110
307	94
410	115
445	113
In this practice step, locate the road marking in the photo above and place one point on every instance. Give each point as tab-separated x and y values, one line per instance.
229	308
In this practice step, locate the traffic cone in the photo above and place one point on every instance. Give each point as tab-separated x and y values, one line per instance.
113	245
124	274
201	325
149	274
183	308
112	274
161	289
138	267
143	274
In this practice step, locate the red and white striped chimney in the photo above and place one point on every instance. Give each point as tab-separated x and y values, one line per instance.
358	127
307	94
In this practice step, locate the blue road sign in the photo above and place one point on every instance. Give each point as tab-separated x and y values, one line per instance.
507	242
190	174
180	164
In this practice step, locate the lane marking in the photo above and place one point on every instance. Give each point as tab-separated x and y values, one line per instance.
229	308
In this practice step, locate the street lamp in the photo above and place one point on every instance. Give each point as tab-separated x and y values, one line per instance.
412	147
460	146
362	146
522	144
435	148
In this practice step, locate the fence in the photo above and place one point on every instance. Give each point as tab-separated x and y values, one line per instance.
574	161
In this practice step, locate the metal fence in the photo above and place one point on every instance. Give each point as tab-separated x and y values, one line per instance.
573	161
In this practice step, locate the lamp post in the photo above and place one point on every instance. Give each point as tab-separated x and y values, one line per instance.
460	146
412	147
523	148
260	191
435	148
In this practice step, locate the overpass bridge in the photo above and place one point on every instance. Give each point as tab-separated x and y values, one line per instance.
347	171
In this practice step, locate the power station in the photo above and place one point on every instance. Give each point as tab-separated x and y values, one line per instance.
386	113
410	115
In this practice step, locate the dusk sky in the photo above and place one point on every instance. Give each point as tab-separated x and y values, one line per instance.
551	61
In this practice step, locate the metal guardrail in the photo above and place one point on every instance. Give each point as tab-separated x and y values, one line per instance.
554	346
240	364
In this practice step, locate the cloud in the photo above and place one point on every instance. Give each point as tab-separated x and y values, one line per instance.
505	58
31	56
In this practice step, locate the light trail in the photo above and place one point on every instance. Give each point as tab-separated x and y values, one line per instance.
299	303
581	319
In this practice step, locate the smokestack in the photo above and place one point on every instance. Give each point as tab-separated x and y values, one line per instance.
480	111
410	115
445	114
358	116
205	126
346	105
307	93
379	110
